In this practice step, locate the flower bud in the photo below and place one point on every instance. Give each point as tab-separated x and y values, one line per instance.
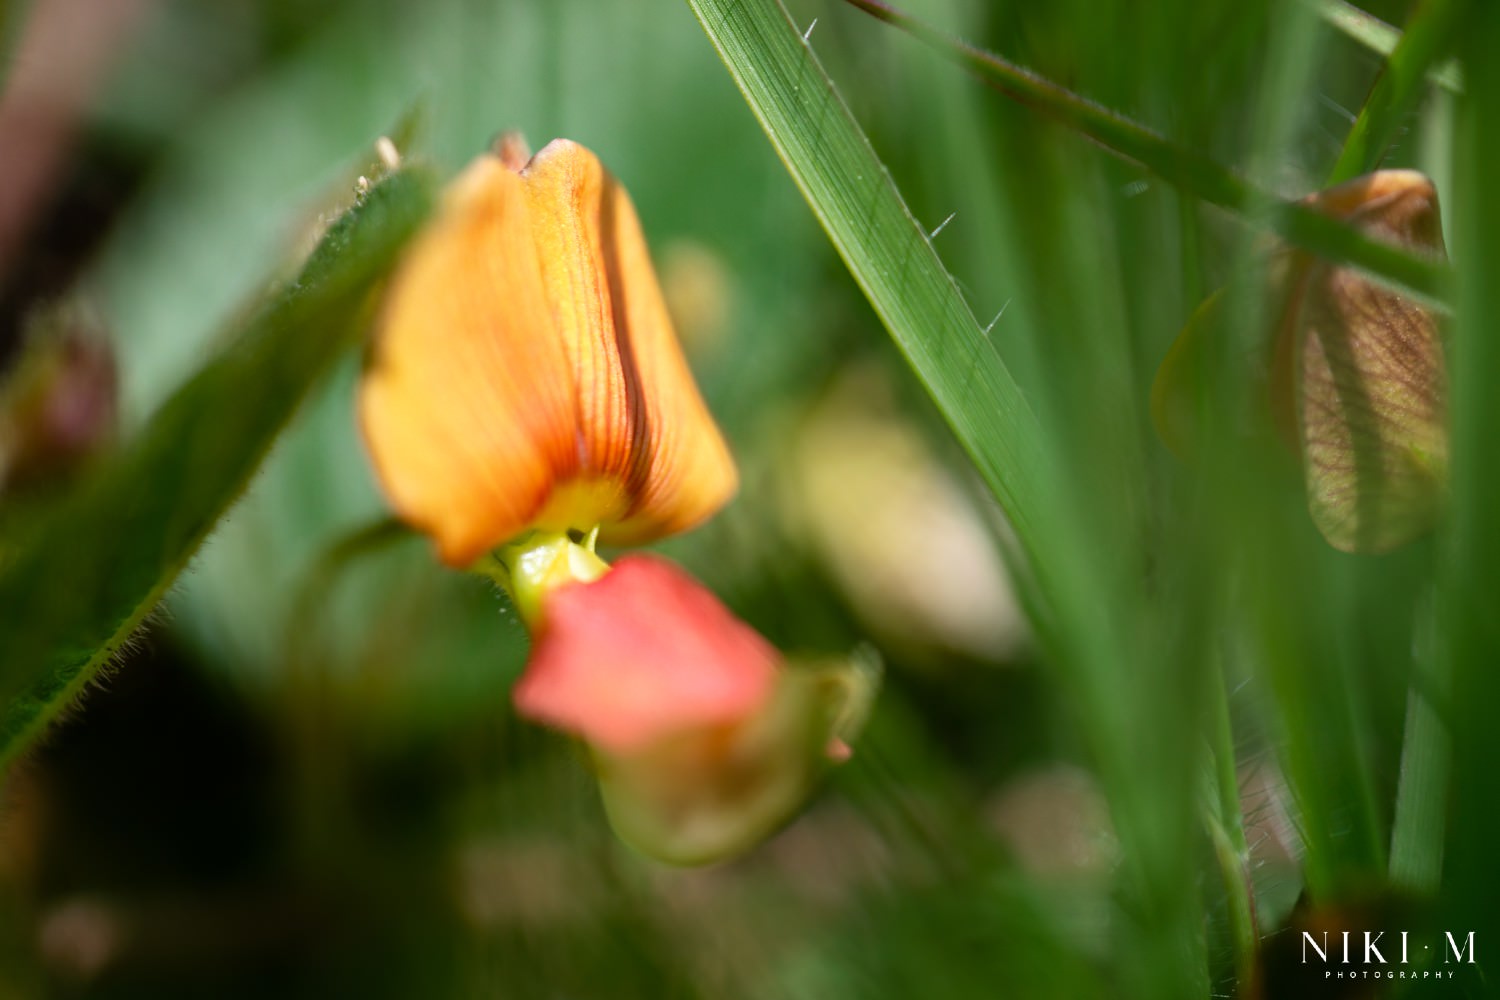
1353	373
58	407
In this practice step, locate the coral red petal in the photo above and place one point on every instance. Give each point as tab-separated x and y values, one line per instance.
642	654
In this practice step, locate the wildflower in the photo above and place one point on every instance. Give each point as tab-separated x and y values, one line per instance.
526	400
704	738
1355	373
526	376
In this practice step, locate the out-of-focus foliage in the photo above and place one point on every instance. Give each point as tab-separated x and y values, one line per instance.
304	776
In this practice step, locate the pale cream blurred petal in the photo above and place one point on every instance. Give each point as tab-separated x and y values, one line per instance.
896	528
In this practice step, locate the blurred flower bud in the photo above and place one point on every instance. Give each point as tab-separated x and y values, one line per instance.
58	407
1056	821
895	527
705	739
1355	374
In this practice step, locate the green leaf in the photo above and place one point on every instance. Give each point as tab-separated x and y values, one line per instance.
81	579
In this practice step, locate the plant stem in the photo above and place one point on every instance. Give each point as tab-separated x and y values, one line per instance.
311	600
1227	830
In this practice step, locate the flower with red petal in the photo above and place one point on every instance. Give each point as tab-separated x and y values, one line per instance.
704	738
526	397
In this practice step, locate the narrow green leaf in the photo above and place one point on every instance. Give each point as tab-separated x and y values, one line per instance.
886	251
1421	797
1226	828
81	579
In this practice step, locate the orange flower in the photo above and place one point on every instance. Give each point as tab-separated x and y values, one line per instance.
526	398
1354	373
525	373
704	738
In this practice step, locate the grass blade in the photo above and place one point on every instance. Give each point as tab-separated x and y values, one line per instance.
886	251
891	258
1471	628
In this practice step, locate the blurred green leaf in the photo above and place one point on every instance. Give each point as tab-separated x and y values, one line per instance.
81	579
1471	628
1373	33
1425	41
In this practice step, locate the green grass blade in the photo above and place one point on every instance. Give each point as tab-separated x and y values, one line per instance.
76	585
1471	628
1421	798
885	249
891	258
1226	827
1425	41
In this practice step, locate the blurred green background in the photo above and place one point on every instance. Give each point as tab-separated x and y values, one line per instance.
304	777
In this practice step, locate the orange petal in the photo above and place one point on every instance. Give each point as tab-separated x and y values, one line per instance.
525	373
468	404
1372	386
643	422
